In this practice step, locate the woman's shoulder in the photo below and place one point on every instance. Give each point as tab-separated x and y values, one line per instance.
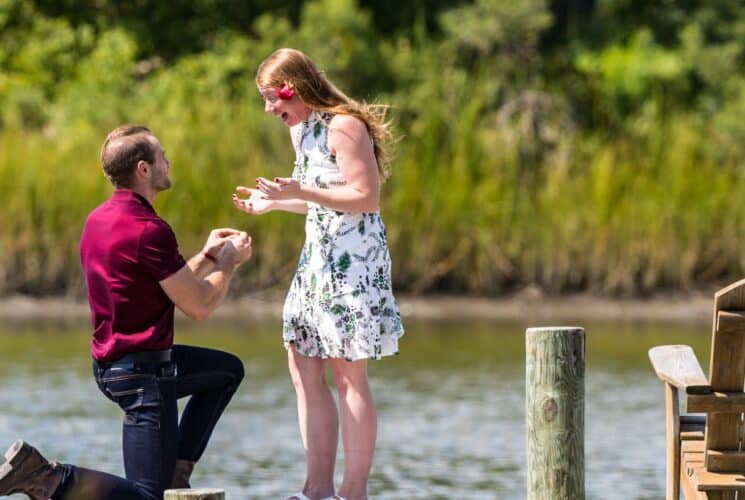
346	122
351	126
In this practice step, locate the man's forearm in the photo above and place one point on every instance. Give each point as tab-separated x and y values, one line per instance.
197	296
201	265
215	285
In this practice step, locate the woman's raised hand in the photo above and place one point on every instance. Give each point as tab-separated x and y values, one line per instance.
281	188
256	203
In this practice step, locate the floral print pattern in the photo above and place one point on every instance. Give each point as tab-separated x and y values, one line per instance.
340	303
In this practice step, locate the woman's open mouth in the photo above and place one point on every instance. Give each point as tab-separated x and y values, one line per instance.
284	116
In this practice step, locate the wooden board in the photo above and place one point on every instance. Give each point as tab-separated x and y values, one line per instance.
726	366
678	365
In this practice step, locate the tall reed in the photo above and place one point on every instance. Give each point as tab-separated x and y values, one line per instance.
466	212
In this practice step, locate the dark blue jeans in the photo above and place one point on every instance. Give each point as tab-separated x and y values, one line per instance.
152	436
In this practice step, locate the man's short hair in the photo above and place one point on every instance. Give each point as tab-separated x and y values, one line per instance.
123	148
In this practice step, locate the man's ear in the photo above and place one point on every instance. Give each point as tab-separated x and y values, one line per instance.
143	168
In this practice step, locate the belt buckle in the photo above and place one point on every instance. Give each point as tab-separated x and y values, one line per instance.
122	367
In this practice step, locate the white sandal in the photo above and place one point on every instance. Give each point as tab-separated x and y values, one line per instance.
303	496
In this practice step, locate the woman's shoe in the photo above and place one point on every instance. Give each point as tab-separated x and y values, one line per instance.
298	496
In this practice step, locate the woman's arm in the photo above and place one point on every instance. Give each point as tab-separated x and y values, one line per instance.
350	142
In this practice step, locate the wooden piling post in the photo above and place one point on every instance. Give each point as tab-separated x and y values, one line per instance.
194	494
555	411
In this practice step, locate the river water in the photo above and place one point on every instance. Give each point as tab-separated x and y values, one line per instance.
451	409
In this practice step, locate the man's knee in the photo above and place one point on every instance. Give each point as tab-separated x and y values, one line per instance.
234	364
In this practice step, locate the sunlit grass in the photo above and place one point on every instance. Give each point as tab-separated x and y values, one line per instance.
464	213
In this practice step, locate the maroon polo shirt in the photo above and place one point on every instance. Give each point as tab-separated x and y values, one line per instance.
126	249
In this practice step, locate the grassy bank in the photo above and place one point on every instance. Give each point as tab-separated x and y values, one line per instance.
606	166
462	214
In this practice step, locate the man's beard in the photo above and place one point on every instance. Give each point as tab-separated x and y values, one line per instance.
161	183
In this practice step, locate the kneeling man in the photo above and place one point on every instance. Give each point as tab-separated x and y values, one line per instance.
135	275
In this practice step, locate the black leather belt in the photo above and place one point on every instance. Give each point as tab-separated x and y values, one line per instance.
145	361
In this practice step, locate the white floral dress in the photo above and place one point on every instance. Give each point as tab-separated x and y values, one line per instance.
340	303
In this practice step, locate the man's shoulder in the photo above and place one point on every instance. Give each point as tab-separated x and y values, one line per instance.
99	217
103	207
110	210
117	224
156	231
154	223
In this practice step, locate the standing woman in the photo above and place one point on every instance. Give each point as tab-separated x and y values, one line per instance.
340	310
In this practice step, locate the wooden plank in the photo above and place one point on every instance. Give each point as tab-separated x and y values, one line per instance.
718	481
678	365
194	494
727	367
672	424
694	435
726	460
693	447
723	431
694	458
703	480
731	321
688	486
731	297
716	402
690	492
721	495
694	461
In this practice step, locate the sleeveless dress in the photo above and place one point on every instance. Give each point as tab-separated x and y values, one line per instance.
340	303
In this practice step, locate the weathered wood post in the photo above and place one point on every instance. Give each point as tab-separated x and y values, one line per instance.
555	411
194	494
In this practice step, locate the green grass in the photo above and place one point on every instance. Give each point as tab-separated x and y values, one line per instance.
465	212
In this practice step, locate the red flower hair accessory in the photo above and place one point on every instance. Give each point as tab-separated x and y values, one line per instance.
286	92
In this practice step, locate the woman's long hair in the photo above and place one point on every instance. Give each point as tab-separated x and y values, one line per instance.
295	69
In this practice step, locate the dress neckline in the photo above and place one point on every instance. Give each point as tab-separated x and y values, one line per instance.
317	116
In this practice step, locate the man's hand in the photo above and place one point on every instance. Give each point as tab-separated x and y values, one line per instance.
197	289
242	243
217	239
236	250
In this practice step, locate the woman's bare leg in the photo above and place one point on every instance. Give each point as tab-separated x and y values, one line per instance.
319	423
359	425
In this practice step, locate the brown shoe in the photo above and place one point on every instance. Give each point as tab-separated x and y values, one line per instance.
27	471
181	474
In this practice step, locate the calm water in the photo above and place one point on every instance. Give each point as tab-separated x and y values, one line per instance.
451	409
